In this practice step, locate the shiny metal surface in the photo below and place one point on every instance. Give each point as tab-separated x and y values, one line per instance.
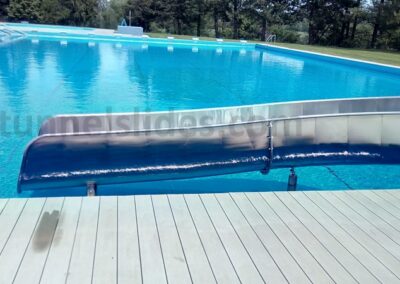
212	117
303	134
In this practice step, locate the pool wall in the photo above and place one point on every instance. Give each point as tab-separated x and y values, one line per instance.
334	59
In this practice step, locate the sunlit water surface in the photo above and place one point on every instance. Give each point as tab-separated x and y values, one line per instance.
43	79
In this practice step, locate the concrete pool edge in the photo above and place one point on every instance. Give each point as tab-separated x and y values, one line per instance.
333	58
103	35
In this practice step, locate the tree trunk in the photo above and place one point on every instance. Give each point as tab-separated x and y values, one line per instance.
264	29
198	24
354	28
216	28
341	35
311	28
179	26
235	19
376	25
347	29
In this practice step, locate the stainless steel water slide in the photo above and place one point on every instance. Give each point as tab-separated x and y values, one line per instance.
77	150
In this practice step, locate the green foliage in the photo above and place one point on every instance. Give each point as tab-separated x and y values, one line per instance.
53	12
285	34
112	14
83	12
26	10
3	8
344	23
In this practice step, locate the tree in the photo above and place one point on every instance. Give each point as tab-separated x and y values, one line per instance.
236	10
112	13
218	9
83	12
142	12
200	9
270	12
386	22
329	20
53	12
25	10
3	8
357	13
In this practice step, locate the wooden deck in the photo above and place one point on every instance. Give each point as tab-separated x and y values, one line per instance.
301	237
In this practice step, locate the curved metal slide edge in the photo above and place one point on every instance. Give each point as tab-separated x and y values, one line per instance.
117	122
67	160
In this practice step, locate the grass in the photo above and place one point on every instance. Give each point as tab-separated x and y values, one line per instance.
385	57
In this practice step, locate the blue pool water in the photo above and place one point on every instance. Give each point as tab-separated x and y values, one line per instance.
43	79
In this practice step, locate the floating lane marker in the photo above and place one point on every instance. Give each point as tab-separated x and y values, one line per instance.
170	48
63	42
35	41
91	44
195	49
219	50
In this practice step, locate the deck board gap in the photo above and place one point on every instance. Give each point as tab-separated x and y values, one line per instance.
73	242
159	239
240	239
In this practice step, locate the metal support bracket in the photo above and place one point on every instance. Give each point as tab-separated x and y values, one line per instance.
292	180
270	149
91	188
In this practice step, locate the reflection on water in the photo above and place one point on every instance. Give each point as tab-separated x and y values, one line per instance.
46	78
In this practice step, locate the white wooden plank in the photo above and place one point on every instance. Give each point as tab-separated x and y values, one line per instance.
388	206
56	267
196	257
3	203
105	261
376	270
258	252
392	199
220	263
299	252
395	194
16	246
383	212
81	262
153	269
240	258
293	212
129	267
370	244
375	220
310	237
175	260
32	264
365	224
279	252
9	218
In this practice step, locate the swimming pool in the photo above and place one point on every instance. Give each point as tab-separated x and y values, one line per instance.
44	78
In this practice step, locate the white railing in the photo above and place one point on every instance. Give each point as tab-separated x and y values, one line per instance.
271	38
